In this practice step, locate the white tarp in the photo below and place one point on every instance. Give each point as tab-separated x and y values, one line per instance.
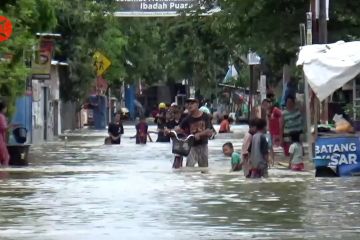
328	67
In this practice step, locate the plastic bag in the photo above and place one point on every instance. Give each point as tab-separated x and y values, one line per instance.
342	125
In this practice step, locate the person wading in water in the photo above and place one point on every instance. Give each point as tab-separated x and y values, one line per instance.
291	121
115	130
4	154
198	124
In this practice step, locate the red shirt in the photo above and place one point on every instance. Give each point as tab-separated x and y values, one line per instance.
224	126
4	155
3	127
274	121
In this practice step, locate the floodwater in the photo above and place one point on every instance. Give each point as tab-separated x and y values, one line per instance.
85	190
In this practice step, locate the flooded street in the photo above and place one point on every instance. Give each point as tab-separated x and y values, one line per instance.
85	190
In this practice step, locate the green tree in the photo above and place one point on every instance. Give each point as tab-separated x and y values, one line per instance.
344	21
195	51
86	26
27	18
112	45
173	49
269	27
142	56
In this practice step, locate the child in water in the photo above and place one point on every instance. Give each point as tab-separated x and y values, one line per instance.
225	125
259	151
236	163
296	153
142	131
245	156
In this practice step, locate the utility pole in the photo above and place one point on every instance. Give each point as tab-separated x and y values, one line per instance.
306	39
251	92
253	59
313	23
323	35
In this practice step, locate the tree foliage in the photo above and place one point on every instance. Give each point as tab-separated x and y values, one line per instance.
268	27
85	27
27	18
173	49
198	53
153	50
344	21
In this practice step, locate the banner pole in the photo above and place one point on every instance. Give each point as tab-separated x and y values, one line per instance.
306	90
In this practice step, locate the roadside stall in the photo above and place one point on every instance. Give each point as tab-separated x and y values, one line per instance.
327	68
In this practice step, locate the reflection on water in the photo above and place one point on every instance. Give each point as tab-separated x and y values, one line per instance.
86	190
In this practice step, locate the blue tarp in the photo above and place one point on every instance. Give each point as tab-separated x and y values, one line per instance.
23	116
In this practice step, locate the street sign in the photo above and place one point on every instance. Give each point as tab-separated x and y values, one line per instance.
101	63
253	58
153	8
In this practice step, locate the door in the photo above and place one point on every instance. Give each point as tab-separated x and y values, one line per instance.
45	112
56	118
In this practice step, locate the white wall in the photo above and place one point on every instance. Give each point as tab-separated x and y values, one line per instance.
39	107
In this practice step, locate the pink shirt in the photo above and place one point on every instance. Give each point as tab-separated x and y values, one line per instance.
274	121
4	155
224	126
3	127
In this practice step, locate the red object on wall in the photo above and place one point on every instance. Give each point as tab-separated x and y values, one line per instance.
101	83
5	28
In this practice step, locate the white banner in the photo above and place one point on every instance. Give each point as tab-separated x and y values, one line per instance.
153	8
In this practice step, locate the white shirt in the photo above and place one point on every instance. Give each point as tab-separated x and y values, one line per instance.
297	150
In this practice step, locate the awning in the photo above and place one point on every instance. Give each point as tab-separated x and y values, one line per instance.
328	67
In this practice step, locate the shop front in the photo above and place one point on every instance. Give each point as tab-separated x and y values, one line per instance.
329	69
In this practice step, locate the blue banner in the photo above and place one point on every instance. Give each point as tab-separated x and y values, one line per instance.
343	152
130	93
